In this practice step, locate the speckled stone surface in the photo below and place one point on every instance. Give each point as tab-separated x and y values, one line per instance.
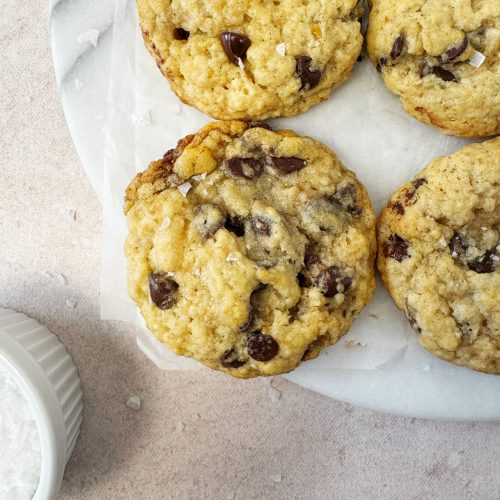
197	434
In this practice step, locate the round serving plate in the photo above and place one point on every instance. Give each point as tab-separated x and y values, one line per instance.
410	382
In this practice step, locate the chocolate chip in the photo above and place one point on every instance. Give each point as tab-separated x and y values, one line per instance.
345	198
248	168
258	125
235	225
249	323
381	63
397	47
454	52
235	46
261	347
303	280
360	58
398	208
181	34
163	290
409	197
458	245
484	264
396	248
261	225
230	359
332	281
287	164
309	78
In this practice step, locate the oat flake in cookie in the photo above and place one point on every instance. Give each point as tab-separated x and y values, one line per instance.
265	260
439	252
442	58
252	59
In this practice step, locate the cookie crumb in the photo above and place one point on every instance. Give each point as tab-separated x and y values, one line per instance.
276	478
179	427
134	402
374	316
184	188
90	36
349	344
71	303
281	49
477	59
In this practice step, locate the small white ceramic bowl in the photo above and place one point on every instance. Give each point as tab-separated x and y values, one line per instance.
49	380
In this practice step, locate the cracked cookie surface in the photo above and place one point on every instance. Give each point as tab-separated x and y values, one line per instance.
442	58
252	59
249	250
439	248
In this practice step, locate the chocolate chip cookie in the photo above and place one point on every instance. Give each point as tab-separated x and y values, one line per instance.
249	250
442	58
439	247
242	59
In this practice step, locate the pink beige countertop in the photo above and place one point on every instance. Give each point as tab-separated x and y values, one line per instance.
197	434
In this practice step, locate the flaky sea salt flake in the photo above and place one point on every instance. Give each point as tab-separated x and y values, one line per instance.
170	274
79	84
70	214
90	36
477	59
495	257
166	222
232	257
142	120
442	241
241	64
200	177
184	188
197	272
134	402
454	254
276	478
281	49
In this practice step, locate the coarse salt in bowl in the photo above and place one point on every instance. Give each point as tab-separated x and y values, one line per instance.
39	380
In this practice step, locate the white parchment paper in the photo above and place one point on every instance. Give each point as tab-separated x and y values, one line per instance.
362	122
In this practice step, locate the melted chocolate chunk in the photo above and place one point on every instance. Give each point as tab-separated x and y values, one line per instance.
332	281
163	290
484	264
397	47
261	225
287	164
181	34
453	52
261	347
249	323
443	73
208	219
309	78
396	248
413	322
345	198
248	168
381	63
230	359
235	46
410	195
259	125
235	225
398	208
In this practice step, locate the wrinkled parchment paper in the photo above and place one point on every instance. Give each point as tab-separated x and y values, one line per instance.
362	122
